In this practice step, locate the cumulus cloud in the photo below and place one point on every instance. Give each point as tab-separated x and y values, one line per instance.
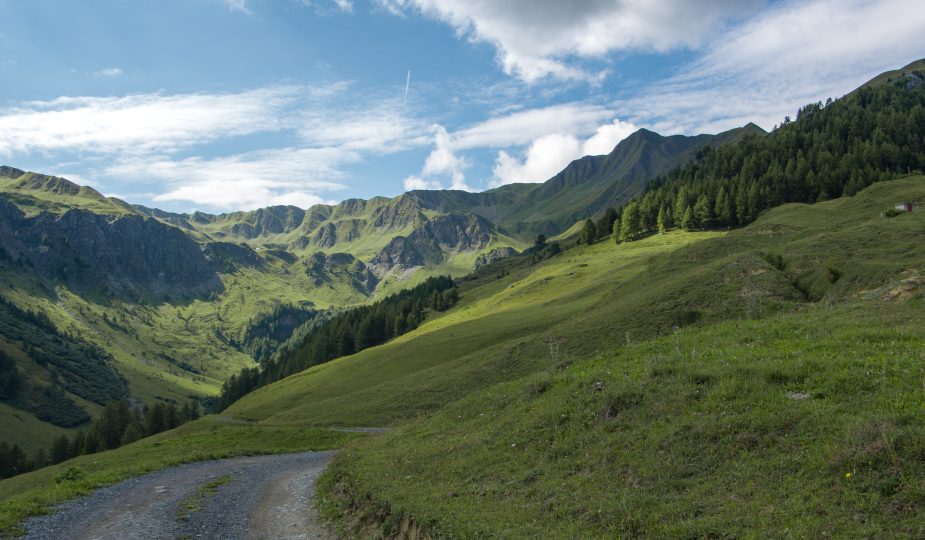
607	136
416	182
789	55
442	162
553	137
543	38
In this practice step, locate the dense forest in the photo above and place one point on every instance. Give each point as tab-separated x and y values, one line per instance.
120	423
266	332
831	150
346	333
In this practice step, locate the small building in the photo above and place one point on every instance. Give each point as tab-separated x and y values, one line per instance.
906	206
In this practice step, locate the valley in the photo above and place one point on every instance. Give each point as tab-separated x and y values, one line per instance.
700	336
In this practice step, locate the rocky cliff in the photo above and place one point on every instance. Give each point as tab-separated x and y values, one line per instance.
127	254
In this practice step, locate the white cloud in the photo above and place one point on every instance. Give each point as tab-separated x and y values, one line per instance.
344	5
325	7
545	157
792	54
150	139
243	181
549	154
416	182
142	123
378	127
522	127
239	6
606	137
110	72
441	162
543	38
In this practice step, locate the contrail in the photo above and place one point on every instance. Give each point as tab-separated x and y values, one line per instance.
407	86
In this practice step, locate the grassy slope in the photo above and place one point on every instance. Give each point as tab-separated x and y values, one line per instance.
704	412
602	296
693	435
495	334
208	438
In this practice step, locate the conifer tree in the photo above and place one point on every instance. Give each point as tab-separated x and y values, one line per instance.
588	233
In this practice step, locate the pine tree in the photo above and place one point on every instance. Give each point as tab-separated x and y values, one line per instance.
588	233
631	222
661	220
687	222
703	214
60	449
723	208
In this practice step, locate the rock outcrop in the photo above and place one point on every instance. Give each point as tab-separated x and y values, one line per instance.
433	241
493	256
127	254
328	268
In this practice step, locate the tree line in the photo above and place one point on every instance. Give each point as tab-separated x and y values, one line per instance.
831	150
73	364
266	332
346	333
120	423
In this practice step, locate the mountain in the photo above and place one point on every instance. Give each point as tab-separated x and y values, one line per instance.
585	188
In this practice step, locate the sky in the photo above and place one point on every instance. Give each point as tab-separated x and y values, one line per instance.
223	105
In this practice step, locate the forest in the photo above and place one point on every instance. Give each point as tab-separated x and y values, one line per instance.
830	150
121	422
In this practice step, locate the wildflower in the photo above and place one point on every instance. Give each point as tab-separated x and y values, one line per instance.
848	475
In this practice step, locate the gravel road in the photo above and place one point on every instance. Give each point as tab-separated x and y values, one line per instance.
249	497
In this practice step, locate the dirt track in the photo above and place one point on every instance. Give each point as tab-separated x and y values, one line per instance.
250	497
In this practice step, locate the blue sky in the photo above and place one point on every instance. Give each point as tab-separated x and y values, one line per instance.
221	105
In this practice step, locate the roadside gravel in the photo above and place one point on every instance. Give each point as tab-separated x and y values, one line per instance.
258	497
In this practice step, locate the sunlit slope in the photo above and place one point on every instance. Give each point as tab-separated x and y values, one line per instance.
805	422
594	298
805	425
496	333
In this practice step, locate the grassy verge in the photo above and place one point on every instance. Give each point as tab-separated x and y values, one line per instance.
801	425
37	492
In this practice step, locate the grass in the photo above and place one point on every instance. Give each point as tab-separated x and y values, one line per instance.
800	425
203	493
37	492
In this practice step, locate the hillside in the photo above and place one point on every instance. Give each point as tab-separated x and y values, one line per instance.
835	381
722	357
597	297
744	328
177	303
